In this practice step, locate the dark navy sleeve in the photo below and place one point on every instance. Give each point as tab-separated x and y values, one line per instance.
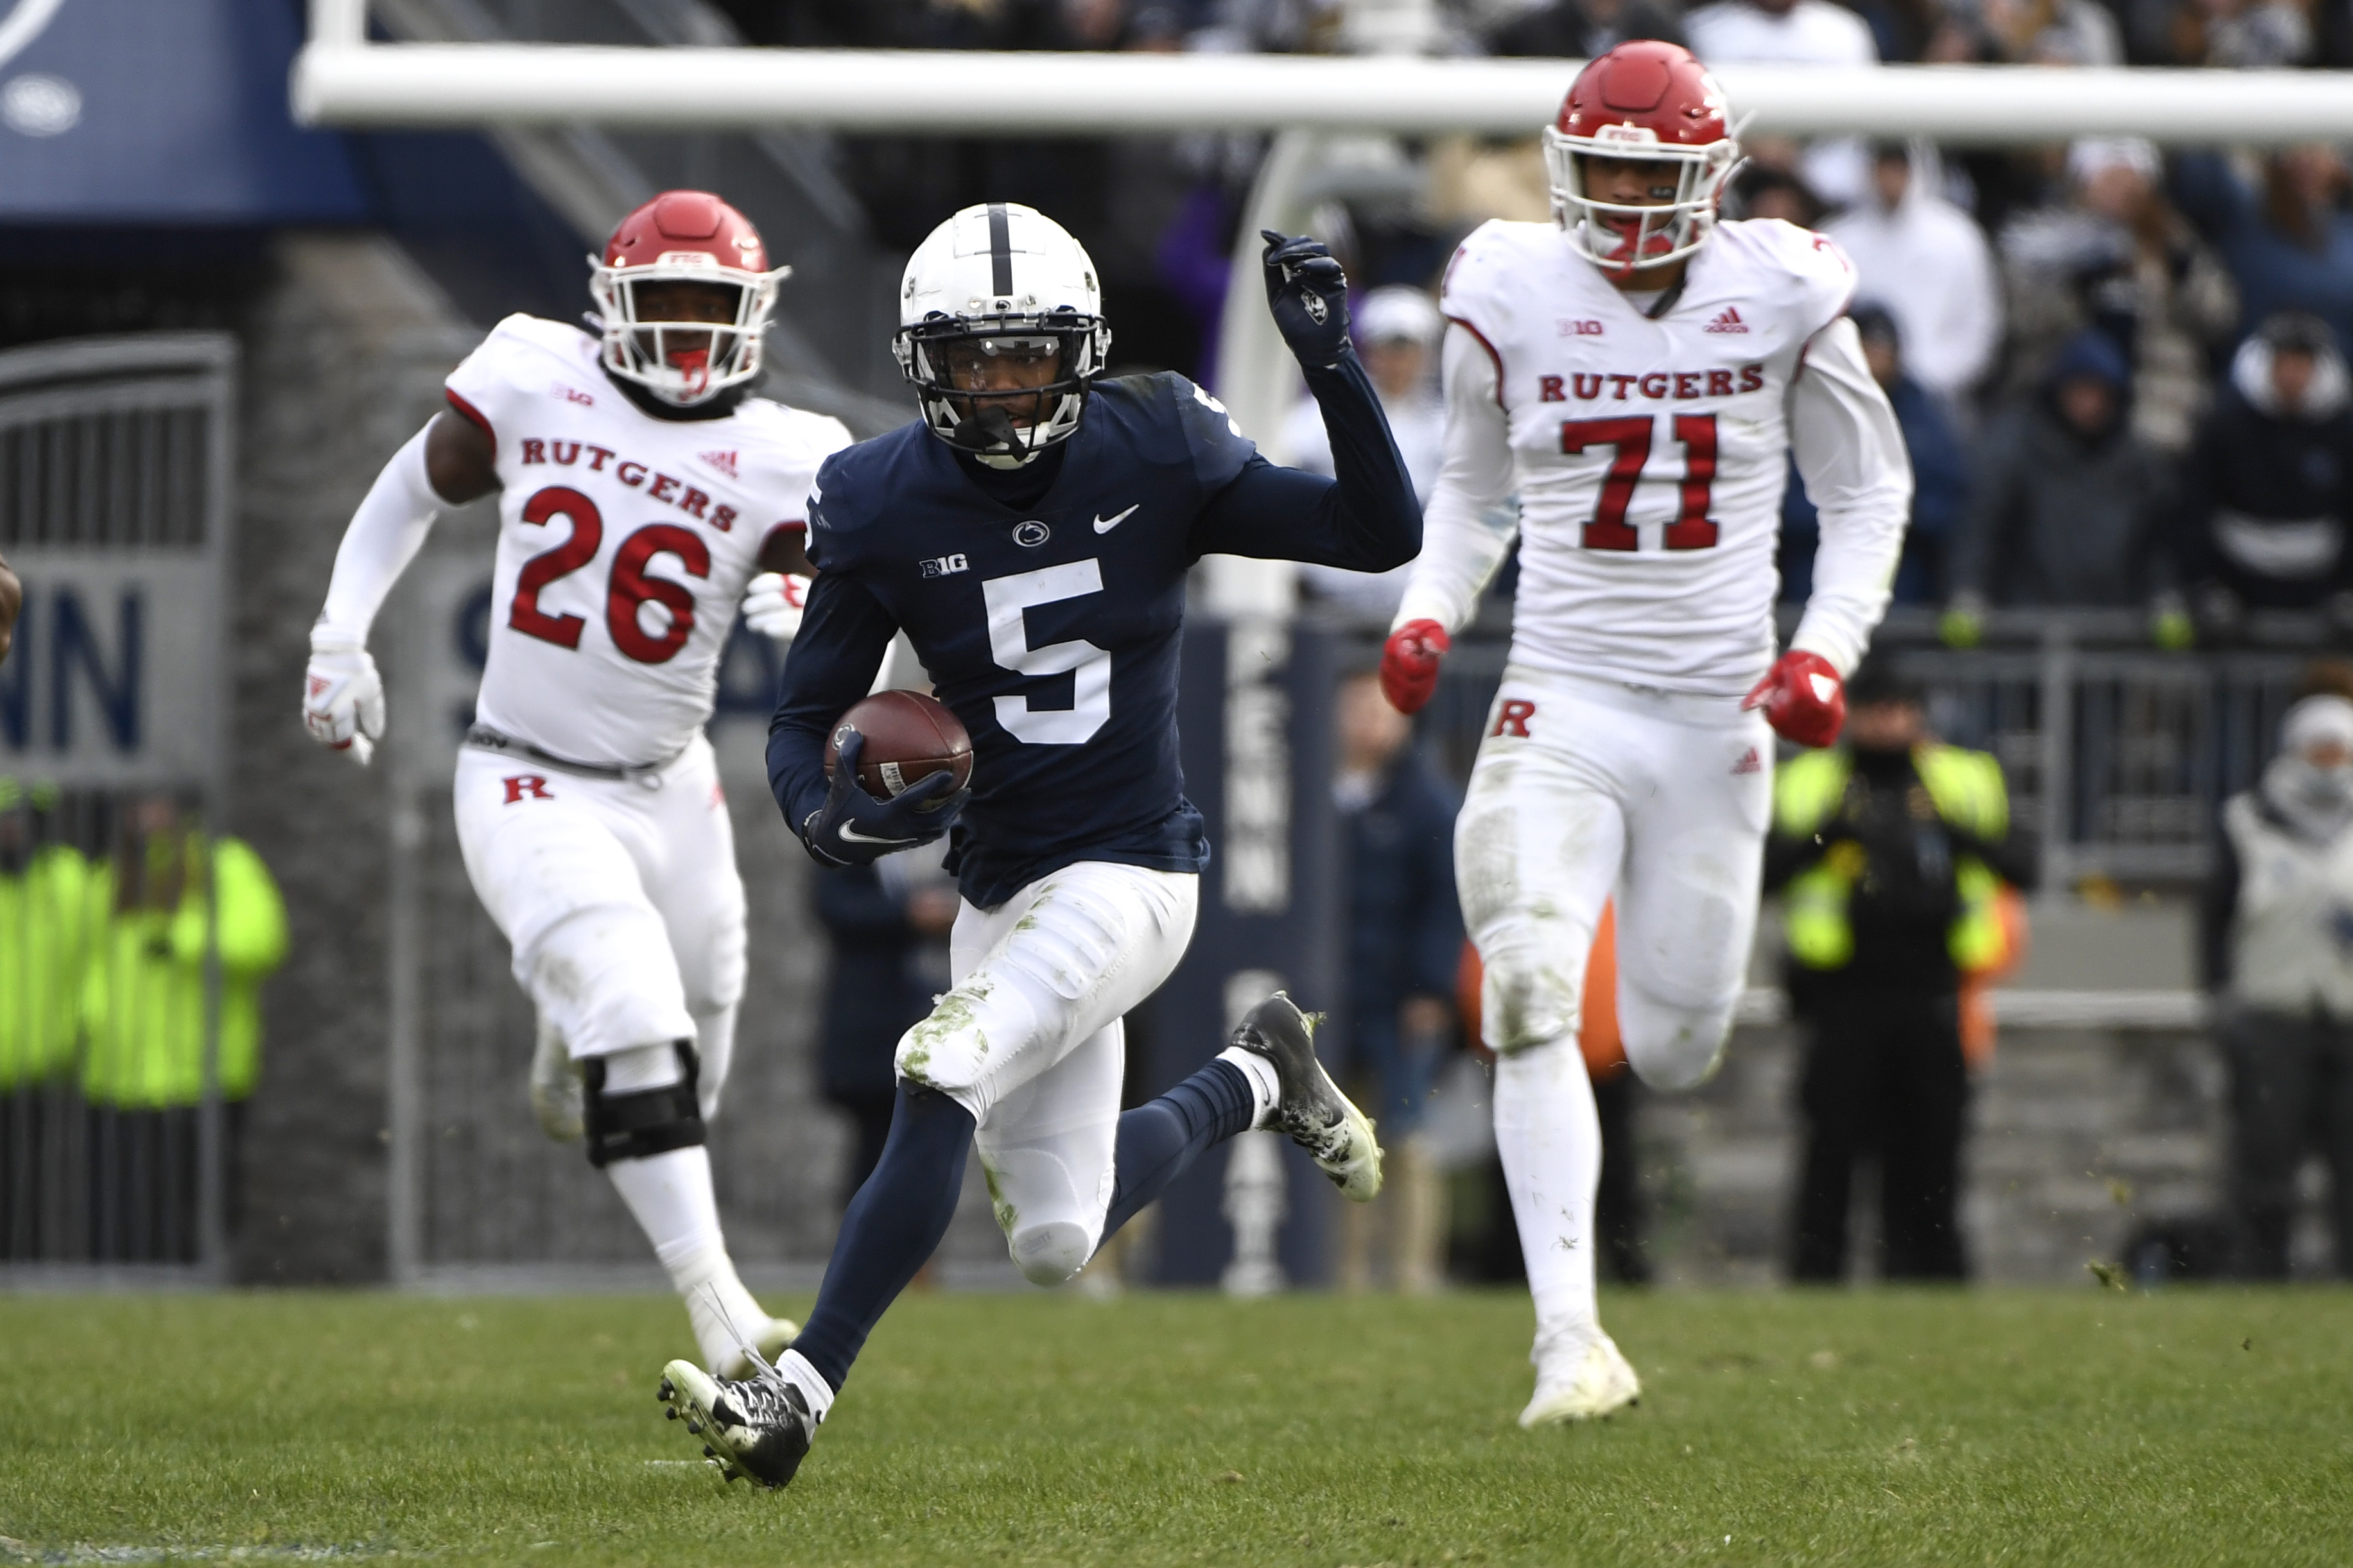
844	635
1366	520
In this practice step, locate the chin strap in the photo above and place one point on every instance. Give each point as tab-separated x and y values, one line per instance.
988	433
718	406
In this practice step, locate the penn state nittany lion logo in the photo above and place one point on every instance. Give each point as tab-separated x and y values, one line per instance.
1031	534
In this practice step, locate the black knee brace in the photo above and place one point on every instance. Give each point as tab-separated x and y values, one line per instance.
645	1122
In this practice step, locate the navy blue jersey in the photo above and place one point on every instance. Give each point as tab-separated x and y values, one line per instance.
1052	629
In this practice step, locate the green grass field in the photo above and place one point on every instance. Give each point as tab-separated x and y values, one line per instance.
2012	1427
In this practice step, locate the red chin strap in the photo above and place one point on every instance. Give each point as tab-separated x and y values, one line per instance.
696	365
1626	228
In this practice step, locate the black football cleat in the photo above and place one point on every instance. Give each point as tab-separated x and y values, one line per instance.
1312	1112
759	1428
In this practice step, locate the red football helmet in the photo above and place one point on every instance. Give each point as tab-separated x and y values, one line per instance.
1645	100
684	237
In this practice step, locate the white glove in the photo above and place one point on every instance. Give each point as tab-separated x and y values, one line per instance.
773	603
342	699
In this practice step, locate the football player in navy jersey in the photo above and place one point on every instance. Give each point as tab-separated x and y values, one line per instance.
1031	535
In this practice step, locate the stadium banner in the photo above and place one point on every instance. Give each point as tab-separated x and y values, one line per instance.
115	677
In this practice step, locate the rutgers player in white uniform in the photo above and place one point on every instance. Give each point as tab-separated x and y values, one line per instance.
1635	373
643	495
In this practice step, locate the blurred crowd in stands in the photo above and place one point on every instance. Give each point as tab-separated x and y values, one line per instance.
2122	371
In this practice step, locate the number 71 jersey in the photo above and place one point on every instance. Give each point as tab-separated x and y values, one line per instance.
624	543
1649	456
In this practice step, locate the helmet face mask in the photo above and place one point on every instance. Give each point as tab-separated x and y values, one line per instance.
1001	333
682	294
1617	111
1002	385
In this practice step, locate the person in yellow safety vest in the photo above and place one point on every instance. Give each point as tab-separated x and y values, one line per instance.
143	999
1892	851
44	941
44	931
143	1005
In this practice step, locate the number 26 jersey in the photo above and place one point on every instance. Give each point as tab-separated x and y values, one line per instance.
1649	456
625	541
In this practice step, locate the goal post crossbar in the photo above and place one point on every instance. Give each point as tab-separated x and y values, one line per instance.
341	82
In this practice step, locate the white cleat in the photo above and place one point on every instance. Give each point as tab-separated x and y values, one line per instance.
770	1337
1580	1378
558	1097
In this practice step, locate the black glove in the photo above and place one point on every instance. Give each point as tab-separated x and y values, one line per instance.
853	828
1308	295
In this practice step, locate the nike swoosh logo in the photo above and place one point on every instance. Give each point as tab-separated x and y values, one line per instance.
1105	524
851	835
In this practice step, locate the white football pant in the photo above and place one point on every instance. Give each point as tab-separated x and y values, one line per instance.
1586	790
620	898
1030	1042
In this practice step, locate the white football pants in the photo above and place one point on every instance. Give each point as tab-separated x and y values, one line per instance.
1030	1042
1584	790
620	898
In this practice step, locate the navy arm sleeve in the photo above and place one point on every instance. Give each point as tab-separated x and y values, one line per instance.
843	637
1366	520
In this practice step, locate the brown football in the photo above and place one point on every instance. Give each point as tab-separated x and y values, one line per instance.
909	737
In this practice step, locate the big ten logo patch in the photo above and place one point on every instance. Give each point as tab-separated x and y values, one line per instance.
526	786
1511	718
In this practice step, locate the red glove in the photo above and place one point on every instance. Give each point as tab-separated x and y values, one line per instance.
1803	698
1409	664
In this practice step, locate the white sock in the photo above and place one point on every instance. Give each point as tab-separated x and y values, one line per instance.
670	1196
726	1318
795	1369
1266	1089
1550	1140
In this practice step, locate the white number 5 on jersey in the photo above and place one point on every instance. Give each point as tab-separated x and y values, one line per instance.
1008	644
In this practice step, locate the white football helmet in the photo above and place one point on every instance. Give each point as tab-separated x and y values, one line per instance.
1001	332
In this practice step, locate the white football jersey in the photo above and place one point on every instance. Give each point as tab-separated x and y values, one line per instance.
624	543
1649	456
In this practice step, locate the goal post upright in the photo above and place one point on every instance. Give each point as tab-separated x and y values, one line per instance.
338	24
